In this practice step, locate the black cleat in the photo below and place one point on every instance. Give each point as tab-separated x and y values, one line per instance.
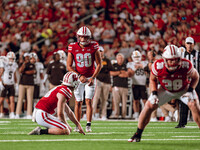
135	138
180	126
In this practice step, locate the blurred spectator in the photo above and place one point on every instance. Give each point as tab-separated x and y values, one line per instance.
38	77
136	71
108	34
25	45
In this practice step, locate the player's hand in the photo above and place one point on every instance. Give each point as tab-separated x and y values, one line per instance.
81	130
70	129
153	99
189	96
90	82
83	79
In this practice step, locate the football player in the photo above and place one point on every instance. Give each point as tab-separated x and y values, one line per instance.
56	99
38	77
84	53
63	57
9	79
136	71
178	79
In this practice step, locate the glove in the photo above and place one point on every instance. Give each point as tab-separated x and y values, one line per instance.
189	96
153	99
1	86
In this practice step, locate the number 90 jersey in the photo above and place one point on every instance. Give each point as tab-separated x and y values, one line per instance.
176	81
84	57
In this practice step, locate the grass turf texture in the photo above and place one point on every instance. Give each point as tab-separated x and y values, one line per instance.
106	135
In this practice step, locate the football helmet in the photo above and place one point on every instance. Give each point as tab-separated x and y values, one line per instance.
171	52
136	56
62	54
101	49
71	79
84	32
32	54
11	57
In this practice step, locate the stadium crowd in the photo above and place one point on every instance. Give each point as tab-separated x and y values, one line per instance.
47	26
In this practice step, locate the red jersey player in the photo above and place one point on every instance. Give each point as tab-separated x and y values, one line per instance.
55	99
178	80
85	54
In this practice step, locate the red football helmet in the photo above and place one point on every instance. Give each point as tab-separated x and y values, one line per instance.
172	57
84	32
70	79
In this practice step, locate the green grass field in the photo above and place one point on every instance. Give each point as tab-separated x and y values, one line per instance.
106	135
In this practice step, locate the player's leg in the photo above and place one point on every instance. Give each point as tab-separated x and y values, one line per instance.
53	125
136	102
1	107
78	94
89	94
12	102
3	95
77	109
145	115
195	109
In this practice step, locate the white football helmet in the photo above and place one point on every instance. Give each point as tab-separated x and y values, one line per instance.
84	32
62	54
11	57
32	54
71	79
171	52
136	56
101	49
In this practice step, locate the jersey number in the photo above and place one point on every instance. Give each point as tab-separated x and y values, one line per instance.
139	72
174	85
84	60
10	75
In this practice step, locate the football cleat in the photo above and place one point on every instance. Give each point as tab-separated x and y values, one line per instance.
88	129
76	129
180	126
135	138
35	131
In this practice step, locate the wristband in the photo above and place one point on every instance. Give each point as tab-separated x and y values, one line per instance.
154	92
93	78
190	89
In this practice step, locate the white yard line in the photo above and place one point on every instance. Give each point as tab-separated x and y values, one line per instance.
5	122
186	136
60	140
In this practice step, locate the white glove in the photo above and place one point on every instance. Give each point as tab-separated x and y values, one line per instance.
1	86
153	99
189	96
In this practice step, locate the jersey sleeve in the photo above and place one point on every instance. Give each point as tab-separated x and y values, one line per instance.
154	69
96	46
41	68
70	48
65	92
128	65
